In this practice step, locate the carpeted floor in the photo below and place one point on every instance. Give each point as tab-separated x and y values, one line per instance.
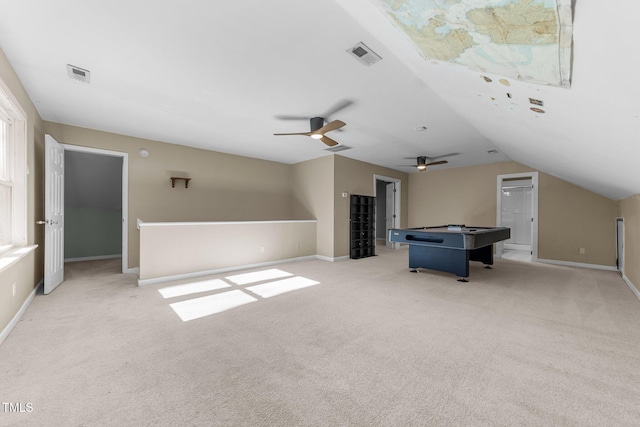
370	344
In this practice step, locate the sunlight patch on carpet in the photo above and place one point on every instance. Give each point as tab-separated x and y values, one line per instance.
258	276
212	304
193	288
271	289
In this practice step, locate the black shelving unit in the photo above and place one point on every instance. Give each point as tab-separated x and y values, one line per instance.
362	227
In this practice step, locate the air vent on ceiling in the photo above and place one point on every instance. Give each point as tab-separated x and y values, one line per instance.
363	54
337	148
78	73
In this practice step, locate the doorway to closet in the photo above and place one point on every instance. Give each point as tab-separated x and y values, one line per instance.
517	202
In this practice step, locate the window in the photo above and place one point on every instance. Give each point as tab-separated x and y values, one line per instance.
13	171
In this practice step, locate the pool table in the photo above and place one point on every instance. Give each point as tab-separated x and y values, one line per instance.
449	248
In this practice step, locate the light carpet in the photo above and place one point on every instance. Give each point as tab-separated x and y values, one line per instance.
367	344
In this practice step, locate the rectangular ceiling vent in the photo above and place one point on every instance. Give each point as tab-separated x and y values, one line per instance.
363	54
337	148
78	73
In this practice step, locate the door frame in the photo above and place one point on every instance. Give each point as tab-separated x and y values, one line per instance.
125	195
534	209
620	244
396	201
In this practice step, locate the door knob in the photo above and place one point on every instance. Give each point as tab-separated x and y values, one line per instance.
41	222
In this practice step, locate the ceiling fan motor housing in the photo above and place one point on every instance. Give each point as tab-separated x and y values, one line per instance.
316	123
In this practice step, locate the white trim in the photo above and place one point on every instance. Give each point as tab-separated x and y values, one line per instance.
397	200
577	264
19	165
620	255
332	259
170	224
534	176
14	321
635	290
14	254
125	193
156	280
93	258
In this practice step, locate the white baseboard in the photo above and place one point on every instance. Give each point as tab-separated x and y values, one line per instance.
631	286
156	280
92	258
7	330
576	264
332	259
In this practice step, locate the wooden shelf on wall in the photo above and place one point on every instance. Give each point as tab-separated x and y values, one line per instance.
177	178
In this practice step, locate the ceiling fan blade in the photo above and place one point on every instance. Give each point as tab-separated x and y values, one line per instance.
330	142
338	107
441	162
297	133
432	158
288	117
443	155
336	124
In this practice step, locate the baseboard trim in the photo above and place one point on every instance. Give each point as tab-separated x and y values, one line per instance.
156	280
631	286
93	258
577	264
14	321
332	259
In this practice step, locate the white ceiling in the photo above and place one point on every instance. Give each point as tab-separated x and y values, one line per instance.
217	75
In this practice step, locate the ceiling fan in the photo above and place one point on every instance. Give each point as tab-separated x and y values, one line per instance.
421	162
318	130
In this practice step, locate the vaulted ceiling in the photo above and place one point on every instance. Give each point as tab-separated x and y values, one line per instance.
226	76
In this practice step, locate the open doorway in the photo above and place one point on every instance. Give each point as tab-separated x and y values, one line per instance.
387	193
517	208
95	205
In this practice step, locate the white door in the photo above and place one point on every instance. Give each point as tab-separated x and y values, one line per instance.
54	214
390	214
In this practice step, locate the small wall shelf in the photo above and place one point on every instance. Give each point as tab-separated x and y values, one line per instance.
177	178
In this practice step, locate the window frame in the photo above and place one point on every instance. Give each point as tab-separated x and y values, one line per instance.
15	150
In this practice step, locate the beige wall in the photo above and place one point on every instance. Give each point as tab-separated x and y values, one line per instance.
23	275
223	187
313	198
458	195
356	177
569	217
630	211
28	271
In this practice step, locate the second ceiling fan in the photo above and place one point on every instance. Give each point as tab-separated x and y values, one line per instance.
421	161
318	130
